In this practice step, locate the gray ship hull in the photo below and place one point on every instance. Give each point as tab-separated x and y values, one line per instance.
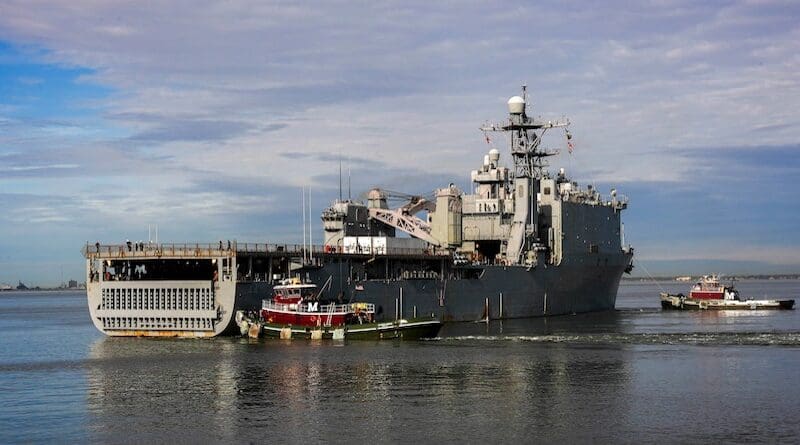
205	307
498	292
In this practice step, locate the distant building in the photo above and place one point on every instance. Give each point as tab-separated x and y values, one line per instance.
5	286
683	279
73	284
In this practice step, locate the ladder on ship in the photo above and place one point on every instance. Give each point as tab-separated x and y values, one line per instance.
516	241
331	309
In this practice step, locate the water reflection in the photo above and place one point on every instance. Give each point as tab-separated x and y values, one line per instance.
160	390
239	390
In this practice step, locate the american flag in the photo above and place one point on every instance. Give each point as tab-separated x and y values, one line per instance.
569	140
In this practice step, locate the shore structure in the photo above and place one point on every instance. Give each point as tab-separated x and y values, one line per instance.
522	243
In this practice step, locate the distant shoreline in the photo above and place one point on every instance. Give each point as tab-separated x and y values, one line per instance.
626	279
682	278
43	289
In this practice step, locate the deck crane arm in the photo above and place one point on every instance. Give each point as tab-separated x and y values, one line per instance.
403	217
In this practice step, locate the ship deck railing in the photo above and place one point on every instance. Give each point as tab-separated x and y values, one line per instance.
213	250
322	308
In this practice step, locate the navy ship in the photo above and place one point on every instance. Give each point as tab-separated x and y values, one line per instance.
523	242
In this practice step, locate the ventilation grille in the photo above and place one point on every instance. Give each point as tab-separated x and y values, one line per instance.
158	323
159	299
188	308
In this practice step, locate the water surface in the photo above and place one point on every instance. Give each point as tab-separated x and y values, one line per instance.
636	374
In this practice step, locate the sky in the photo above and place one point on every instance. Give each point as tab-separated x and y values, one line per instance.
207	118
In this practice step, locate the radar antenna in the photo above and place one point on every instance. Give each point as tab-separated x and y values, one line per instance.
526	137
529	165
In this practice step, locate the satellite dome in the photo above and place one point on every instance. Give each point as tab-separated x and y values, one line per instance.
494	155
376	194
516	105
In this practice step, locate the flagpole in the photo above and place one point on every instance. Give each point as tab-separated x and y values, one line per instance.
303	199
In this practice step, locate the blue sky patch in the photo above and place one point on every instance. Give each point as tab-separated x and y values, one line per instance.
39	91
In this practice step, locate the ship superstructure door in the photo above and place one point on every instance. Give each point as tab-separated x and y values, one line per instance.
522	211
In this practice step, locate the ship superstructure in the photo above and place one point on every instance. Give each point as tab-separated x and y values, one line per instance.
521	243
514	216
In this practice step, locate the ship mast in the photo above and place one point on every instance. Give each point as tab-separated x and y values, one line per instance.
529	167
529	158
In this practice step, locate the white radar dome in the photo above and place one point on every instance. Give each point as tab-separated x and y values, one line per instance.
494	155
516	105
376	194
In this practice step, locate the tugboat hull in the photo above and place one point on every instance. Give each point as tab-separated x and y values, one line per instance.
413	329
680	302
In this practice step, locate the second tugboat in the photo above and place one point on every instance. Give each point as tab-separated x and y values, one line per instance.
708	293
297	311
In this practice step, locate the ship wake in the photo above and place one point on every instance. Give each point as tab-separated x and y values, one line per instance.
695	339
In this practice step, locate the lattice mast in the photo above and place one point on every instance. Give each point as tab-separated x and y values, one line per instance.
530	162
529	158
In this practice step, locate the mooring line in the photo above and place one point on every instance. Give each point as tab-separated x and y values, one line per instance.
651	276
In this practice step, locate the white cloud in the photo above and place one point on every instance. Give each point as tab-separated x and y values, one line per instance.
694	50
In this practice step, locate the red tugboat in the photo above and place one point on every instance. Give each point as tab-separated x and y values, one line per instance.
708	293
298	304
296	311
708	288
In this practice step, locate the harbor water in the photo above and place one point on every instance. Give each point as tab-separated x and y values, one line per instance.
637	374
